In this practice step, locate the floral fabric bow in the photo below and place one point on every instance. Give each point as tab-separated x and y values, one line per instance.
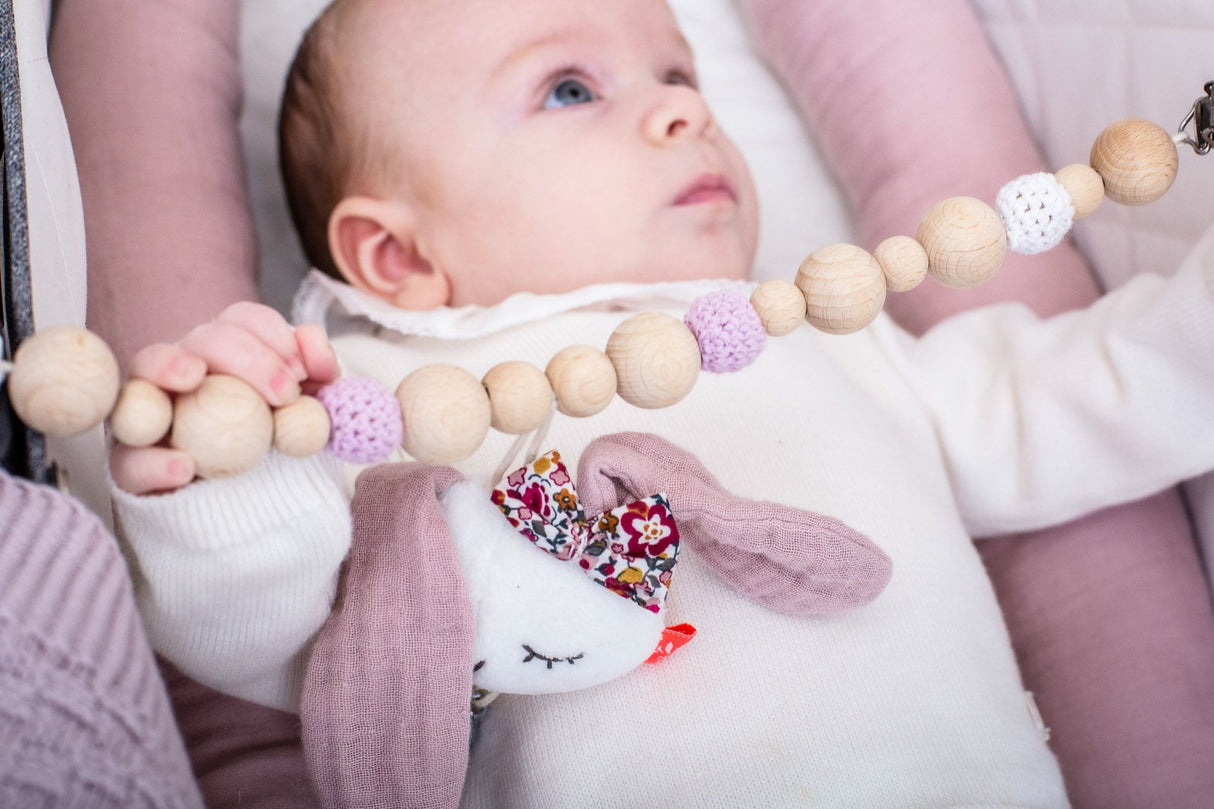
630	550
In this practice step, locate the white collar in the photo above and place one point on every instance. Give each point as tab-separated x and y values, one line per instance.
319	296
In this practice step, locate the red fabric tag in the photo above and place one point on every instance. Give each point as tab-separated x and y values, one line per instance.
673	638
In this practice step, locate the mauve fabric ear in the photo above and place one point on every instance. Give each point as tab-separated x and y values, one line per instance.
786	559
386	699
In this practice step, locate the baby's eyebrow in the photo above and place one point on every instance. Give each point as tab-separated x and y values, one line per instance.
527	51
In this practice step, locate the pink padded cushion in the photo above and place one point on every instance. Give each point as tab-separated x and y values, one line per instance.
1109	615
151	92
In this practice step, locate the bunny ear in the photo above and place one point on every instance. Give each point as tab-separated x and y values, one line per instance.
787	559
385	708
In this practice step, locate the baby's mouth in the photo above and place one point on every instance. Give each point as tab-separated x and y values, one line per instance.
706	188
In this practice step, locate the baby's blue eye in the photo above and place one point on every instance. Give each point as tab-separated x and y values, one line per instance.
567	93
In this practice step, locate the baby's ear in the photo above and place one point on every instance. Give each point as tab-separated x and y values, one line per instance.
374	245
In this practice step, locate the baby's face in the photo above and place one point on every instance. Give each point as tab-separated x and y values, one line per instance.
549	144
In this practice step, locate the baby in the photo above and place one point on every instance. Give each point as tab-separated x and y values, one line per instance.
493	182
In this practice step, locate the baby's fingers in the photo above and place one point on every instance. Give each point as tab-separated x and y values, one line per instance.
151	469
320	362
267	325
230	349
169	367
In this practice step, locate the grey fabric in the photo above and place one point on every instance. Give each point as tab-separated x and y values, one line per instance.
26	452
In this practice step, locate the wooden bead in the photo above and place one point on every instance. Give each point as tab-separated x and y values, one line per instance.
1084	186
520	397
965	241
583	380
224	425
301	429
1136	159
844	288
903	262
656	359
143	414
780	305
64	381
446	413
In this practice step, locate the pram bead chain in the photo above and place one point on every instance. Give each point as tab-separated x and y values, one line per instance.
446	413
780	306
302	428
65	380
656	359
520	397
1137	161
224	425
903	262
1084	186
142	416
583	380
965	241
844	288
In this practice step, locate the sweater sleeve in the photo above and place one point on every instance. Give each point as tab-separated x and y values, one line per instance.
233	577
1040	421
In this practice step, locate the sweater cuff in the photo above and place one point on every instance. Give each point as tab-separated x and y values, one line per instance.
211	515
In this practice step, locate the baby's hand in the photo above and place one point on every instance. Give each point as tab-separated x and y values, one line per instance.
248	340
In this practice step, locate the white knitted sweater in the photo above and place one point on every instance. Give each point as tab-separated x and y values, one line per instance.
992	422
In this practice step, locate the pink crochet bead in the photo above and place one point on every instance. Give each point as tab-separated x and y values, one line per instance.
728	329
366	419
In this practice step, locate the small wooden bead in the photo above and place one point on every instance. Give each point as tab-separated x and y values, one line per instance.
64	381
583	380
301	429
903	261
1084	186
446	413
656	359
1136	159
780	305
844	288
965	241
143	414
520	397
224	425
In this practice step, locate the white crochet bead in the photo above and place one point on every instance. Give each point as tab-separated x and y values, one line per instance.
1037	212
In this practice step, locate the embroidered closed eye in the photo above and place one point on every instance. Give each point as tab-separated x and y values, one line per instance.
532	654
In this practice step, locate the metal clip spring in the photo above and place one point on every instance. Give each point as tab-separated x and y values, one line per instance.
1201	116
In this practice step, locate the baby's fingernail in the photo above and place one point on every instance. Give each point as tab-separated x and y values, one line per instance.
285	386
180	469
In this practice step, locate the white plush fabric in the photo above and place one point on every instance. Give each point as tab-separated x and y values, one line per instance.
525	597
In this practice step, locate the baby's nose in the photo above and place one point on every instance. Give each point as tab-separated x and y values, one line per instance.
678	112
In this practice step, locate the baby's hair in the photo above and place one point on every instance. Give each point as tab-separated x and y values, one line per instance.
320	144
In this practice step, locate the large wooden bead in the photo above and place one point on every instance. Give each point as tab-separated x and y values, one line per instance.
780	305
1084	185
903	261
301	429
224	425
1136	159
446	413
965	241
64	381
656	359
583	380
520	397
143	414
844	288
